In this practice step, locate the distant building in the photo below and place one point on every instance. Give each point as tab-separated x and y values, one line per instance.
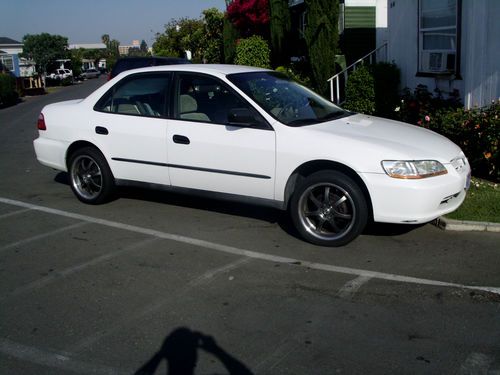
10	60
87	46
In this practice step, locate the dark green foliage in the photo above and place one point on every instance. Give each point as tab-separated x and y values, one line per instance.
280	25
231	36
321	36
373	89
212	45
387	79
8	94
360	91
45	48
253	51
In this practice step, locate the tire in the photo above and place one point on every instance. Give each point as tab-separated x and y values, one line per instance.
329	209
90	177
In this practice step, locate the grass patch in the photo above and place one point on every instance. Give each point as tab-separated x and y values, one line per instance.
482	203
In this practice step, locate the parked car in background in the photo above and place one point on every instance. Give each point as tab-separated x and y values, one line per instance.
60	74
128	63
90	73
251	134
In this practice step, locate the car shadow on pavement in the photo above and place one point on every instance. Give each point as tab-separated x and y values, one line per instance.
180	351
227	207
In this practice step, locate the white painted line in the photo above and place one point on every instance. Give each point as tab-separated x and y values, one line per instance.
249	253
351	287
118	324
40	236
37	284
54	359
18	212
476	363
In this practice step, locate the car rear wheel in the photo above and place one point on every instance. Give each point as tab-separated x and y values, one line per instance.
91	179
328	208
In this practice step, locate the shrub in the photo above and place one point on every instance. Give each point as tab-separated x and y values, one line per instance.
373	89
253	51
8	94
360	91
475	131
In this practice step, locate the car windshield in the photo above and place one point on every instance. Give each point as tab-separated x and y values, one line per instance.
286	100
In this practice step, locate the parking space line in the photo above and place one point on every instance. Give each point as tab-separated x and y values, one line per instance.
57	275
118	324
249	253
18	212
54	360
351	287
41	236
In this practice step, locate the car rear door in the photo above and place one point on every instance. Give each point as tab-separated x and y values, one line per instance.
131	127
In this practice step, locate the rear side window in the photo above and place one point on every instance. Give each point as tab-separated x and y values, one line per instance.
138	95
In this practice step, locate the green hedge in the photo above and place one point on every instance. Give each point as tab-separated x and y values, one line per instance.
8	94
253	51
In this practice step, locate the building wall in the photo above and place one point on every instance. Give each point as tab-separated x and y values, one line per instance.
480	52
481	59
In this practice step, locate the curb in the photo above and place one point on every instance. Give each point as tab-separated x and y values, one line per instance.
463	225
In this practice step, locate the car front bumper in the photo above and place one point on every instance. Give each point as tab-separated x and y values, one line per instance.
416	201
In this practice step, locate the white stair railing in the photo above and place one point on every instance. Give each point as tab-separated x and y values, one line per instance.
336	95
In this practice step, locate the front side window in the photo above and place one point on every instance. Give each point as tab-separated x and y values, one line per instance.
438	36
206	99
140	95
287	101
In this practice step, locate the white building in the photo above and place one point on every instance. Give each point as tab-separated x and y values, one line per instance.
446	44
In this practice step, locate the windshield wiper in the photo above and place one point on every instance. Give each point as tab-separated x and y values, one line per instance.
303	121
333	116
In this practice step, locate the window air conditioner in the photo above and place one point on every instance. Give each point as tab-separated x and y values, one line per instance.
434	62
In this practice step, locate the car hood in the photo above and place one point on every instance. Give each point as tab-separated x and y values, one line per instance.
390	140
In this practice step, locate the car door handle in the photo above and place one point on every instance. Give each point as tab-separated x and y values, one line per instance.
181	139
101	130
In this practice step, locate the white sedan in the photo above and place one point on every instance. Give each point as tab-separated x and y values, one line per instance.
252	135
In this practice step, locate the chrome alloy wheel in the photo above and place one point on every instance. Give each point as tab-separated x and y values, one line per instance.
86	177
326	211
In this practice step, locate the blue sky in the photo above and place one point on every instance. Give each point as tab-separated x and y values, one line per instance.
85	21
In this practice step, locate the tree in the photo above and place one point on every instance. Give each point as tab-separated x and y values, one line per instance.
144	47
45	48
230	36
212	38
280	26
321	36
180	35
250	17
105	39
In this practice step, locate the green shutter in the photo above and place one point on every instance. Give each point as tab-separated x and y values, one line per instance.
359	17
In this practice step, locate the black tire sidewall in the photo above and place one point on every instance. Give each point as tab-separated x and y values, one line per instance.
107	176
343	181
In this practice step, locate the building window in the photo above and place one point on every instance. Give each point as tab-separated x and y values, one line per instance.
7	62
439	37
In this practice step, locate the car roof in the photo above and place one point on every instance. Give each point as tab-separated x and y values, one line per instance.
223	69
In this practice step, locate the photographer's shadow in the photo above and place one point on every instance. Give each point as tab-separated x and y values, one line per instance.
180	351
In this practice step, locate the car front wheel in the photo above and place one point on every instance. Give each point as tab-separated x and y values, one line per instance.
328	208
90	176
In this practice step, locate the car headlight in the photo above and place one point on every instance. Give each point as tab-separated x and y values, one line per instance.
413	169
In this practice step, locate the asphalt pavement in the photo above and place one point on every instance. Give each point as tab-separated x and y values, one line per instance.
152	279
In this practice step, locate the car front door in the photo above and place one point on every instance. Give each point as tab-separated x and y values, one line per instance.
207	151
131	127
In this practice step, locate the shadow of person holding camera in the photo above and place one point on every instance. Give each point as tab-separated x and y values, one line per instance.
180	350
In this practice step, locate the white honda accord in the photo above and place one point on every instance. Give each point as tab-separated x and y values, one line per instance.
252	135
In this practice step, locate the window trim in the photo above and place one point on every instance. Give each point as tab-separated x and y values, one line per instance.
454	74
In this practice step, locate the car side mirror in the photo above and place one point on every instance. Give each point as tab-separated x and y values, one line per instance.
241	117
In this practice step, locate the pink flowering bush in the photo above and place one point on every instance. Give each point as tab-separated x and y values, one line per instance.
476	131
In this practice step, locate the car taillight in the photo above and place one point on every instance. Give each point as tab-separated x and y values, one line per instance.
41	122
